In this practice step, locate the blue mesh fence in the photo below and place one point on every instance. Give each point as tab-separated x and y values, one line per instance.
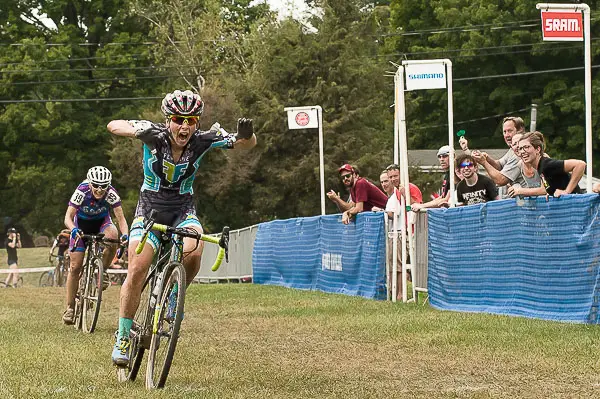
320	253
537	259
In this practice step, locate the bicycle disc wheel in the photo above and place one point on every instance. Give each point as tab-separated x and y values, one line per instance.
46	279
167	318
139	338
92	295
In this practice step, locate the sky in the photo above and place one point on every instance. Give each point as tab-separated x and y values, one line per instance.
285	8
288	7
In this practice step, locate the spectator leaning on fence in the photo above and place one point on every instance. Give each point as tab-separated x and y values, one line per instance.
443	155
475	188
365	195
335	197
505	170
558	177
13	241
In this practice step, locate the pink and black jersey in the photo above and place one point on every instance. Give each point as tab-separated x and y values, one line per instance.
90	208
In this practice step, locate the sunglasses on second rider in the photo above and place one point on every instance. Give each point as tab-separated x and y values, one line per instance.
100	186
179	119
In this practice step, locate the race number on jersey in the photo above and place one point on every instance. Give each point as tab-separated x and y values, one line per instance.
112	197
78	197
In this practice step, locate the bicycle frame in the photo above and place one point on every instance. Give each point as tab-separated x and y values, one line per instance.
150	316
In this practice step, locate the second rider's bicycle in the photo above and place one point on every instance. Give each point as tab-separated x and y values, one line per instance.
158	318
89	295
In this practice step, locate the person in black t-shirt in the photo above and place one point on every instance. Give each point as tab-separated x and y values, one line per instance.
12	242
475	188
558	176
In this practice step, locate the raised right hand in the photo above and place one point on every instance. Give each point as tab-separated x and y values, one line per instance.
464	143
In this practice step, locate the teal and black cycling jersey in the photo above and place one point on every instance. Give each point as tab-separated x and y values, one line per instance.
168	184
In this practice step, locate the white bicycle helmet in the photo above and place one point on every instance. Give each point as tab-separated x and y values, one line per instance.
99	175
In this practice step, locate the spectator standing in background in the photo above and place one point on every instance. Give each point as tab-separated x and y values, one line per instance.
365	195
505	170
443	155
12	242
394	206
475	188
386	185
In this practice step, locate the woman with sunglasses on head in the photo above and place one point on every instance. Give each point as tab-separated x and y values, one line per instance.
89	213
172	155
558	177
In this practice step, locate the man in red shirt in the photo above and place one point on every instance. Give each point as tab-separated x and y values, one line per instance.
365	195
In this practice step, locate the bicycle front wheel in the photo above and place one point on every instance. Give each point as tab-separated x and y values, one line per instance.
139	336
166	322
92	297
46	279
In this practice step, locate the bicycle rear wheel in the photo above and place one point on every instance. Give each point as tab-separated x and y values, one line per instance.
167	318
139	338
92	295
46	279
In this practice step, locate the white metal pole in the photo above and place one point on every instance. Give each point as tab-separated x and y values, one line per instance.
398	88
588	77
403	164
321	158
450	127
588	95
533	121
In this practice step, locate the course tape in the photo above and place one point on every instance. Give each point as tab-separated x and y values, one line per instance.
47	269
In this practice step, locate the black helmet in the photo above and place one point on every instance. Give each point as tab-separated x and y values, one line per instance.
184	103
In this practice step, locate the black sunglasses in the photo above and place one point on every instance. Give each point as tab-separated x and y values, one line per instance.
100	186
344	177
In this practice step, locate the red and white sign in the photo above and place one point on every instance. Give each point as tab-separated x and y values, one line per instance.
303	118
562	26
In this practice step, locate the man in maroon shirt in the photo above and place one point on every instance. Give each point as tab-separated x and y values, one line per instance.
365	195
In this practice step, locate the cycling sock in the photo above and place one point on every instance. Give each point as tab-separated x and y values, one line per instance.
124	327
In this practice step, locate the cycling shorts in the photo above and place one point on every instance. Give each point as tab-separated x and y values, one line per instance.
137	228
88	226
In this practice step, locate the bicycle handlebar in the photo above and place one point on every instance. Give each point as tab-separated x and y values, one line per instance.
105	240
222	242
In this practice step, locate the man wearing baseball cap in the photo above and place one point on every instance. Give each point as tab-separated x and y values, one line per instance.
364	194
335	197
443	155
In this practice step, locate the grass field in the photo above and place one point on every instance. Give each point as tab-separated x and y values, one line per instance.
250	341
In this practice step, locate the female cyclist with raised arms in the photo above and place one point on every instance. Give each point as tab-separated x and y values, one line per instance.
172	155
89	213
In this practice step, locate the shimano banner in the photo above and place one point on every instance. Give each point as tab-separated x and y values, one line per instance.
321	253
425	76
536	259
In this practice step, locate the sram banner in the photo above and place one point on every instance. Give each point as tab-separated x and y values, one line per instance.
425	76
562	26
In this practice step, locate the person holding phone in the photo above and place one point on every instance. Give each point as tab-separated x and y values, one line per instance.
12	242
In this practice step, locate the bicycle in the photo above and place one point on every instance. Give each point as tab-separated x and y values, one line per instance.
89	294
158	319
19	284
58	276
